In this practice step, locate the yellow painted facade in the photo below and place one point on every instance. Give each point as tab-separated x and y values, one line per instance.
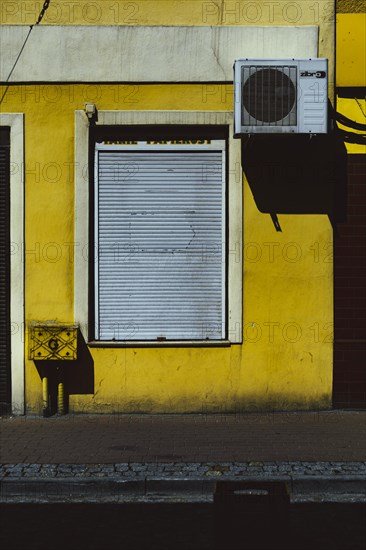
351	54
170	12
285	361
354	109
351	69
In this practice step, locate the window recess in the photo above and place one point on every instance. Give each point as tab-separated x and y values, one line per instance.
160	241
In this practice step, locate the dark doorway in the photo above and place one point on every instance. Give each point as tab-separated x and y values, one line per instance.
5	372
349	377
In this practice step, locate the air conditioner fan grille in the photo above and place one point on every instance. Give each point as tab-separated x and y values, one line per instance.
269	95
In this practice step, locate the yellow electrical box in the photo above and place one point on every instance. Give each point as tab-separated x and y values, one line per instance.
49	342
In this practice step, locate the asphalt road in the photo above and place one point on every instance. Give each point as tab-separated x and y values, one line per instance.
177	527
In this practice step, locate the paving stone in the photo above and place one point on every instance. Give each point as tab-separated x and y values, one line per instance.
47	473
121	467
298	469
348	468
188	471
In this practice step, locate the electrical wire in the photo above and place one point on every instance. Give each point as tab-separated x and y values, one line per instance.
349	122
347	134
39	19
360	106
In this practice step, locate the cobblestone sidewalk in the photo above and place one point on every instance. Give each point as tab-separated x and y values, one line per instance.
224	470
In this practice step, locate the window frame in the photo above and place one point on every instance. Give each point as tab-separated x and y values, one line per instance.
83	227
215	145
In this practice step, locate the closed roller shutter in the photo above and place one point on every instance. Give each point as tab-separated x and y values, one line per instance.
160	236
4	270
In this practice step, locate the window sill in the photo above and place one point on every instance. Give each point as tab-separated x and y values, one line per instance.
161	344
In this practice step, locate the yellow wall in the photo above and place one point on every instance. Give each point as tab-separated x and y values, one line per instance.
351	69
286	359
170	12
351	49
354	109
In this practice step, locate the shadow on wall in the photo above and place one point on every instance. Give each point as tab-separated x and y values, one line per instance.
77	375
297	174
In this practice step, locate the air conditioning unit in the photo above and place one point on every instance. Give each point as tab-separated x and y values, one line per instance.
280	96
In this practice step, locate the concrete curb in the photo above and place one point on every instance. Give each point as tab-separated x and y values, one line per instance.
349	488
